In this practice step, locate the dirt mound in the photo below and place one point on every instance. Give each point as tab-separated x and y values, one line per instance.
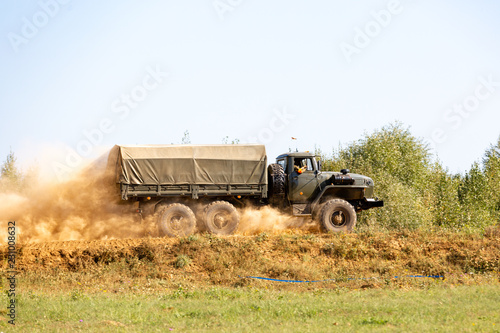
291	255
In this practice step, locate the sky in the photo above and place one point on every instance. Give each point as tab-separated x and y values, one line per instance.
77	77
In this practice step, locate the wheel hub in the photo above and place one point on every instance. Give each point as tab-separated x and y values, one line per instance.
176	222
220	220
338	218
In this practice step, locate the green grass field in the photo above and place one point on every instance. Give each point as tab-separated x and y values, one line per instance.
436	307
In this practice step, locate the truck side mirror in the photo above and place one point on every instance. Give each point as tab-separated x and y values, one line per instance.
319	165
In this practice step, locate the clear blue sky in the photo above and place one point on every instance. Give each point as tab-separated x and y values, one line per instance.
325	72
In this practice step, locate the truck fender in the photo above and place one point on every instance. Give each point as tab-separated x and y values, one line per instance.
315	204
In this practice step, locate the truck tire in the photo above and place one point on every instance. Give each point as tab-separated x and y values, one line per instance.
221	218
276	179
176	220
337	215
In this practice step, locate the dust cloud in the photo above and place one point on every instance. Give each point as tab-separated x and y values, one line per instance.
255	220
85	207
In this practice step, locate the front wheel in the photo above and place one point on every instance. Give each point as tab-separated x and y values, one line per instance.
176	220
337	215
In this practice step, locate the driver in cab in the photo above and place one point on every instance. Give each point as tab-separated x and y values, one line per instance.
299	165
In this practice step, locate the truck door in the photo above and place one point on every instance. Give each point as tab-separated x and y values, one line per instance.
302	182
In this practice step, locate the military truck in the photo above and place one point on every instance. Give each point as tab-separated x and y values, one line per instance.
189	187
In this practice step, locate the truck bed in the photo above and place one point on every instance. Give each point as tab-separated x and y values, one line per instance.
189	170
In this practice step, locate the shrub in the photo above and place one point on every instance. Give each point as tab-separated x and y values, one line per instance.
182	261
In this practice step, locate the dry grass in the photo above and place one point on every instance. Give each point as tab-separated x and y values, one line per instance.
207	260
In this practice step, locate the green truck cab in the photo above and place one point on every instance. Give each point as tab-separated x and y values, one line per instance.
189	187
297	184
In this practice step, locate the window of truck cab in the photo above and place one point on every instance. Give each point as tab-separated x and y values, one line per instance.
282	163
307	162
310	164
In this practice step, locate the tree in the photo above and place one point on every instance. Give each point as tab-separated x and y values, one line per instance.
400	165
225	140
10	175
186	139
392	150
491	165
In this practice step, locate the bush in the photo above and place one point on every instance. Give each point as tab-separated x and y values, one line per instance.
182	261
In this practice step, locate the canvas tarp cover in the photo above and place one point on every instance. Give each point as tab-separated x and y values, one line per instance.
189	164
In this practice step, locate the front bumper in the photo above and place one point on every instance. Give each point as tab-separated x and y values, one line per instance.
371	203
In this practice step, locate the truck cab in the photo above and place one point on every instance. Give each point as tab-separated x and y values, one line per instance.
297	184
301	172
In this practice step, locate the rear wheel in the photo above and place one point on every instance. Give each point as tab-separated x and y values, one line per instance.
337	215
176	220
221	218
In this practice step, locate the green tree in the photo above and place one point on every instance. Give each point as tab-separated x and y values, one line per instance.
446	207
392	150
401	167
10	176
476	199
491	164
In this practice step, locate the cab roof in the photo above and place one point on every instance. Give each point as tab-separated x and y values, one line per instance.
297	154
